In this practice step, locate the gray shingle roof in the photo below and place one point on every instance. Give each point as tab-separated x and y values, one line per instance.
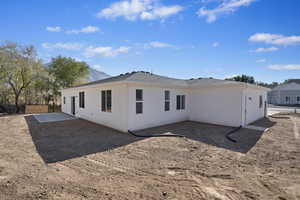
294	81
143	77
121	77
146	77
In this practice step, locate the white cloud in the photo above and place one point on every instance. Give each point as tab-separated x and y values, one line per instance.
53	29
285	67
139	9
275	39
78	59
156	44
98	67
105	51
226	7
65	46
230	76
87	29
263	37
161	12
215	44
261	60
260	50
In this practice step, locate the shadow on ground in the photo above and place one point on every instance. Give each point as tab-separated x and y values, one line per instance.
213	134
59	141
63	140
266	122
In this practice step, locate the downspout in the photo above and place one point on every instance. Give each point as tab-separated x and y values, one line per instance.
243	100
127	116
228	135
242	118
279	102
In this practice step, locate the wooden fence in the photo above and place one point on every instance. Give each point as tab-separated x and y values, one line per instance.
29	109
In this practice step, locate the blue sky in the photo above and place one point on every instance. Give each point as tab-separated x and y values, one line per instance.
183	39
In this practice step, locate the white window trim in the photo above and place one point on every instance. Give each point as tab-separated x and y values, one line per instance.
167	100
139	101
182	105
80	100
261	101
106	98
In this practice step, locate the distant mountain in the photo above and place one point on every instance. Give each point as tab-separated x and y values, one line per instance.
96	75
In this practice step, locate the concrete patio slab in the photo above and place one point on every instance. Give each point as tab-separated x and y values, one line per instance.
52	117
257	128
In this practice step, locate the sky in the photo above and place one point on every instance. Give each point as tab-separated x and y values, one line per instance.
175	38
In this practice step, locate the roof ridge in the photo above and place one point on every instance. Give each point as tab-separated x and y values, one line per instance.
150	78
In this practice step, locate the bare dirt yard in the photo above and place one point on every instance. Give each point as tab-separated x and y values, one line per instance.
77	159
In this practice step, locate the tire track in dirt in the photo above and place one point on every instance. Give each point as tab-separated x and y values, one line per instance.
296	131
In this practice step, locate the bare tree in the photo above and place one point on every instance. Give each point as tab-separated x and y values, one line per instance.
19	67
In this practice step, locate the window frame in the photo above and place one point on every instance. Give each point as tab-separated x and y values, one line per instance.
167	102
260	101
136	95
180	102
139	101
82	99
183	102
106	101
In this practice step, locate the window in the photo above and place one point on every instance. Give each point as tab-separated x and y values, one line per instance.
167	100
298	99
260	101
81	99
287	99
139	107
180	102
64	100
106	101
139	95
139	101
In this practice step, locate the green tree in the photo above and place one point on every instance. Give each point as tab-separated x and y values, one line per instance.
66	72
242	78
38	91
268	85
19	67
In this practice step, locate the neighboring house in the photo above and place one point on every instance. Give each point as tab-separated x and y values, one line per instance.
140	100
285	94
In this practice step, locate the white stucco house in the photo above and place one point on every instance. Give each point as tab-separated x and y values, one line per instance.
285	94
140	100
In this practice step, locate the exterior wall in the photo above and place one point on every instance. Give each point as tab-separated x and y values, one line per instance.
66	107
278	94
153	107
217	105
222	105
252	111
274	97
279	97
116	119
